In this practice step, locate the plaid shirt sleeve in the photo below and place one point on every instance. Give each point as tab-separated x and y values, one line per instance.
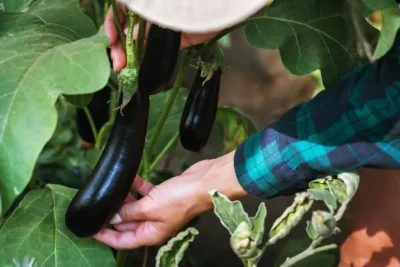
354	123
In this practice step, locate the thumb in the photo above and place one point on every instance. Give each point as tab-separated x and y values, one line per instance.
139	210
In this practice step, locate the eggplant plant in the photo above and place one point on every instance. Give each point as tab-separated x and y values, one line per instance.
59	185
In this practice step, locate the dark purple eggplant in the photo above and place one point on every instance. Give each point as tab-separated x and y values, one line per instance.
200	112
159	60
94	205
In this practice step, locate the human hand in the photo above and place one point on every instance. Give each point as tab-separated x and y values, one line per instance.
118	55
166	208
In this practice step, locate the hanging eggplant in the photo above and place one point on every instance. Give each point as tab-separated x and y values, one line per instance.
200	111
95	204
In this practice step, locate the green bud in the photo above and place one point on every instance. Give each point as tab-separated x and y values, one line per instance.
242	244
323	223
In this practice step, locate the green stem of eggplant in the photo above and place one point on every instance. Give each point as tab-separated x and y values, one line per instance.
140	40
130	44
146	168
99	13
173	94
106	7
146	253
164	152
117	24
121	257
91	123
113	104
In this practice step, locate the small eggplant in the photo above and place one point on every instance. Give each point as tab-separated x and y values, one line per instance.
200	112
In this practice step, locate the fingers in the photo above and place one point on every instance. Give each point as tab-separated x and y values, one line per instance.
123	227
141	186
139	210
136	31
119	240
118	57
147	234
109	26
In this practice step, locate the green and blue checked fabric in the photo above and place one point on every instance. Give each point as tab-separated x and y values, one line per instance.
354	123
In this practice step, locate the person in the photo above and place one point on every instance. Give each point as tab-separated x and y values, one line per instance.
351	124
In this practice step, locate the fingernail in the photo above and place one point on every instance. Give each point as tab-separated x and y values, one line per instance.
126	31
116	219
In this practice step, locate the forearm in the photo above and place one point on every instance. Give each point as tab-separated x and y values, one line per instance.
221	177
354	123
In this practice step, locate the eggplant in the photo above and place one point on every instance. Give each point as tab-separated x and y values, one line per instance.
200	112
94	205
159	59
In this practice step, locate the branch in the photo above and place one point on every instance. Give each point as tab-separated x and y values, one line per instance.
174	93
165	150
117	24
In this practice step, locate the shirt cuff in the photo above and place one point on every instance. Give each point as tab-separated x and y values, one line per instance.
261	170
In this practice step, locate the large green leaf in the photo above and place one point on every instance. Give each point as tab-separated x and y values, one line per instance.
66	14
37	230
310	35
38	63
390	27
15	5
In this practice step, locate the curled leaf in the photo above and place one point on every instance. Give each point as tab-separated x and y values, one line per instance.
338	189
257	222
352	181
231	213
319	183
325	195
323	223
172	253
290	217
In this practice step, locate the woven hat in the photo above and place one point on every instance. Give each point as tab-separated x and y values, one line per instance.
195	16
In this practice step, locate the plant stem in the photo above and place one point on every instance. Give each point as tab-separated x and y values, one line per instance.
306	253
121	258
117	24
174	92
98	11
130	44
165	150
140	40
106	7
145	256
113	105
341	210
91	122
146	168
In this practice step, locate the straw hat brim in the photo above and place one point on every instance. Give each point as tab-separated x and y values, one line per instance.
195	16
